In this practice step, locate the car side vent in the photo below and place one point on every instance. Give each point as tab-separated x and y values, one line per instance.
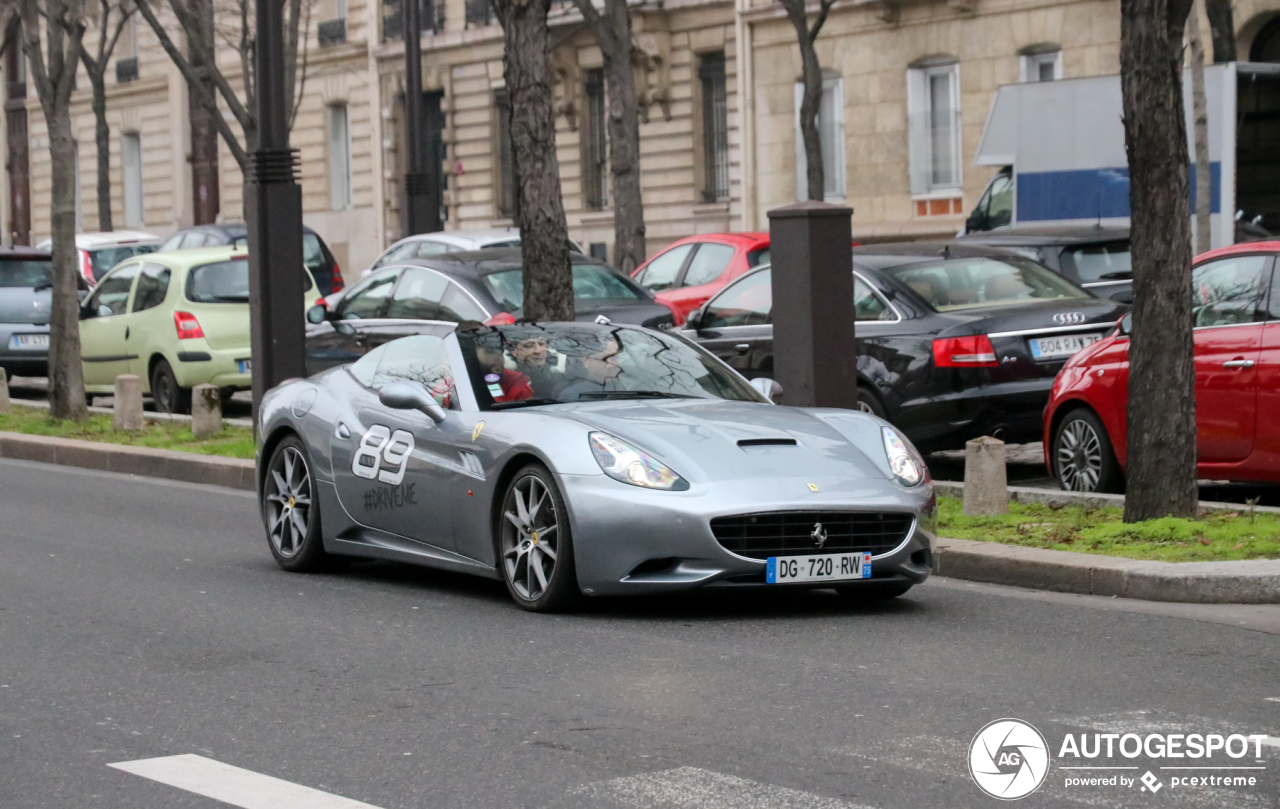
471	465
767	442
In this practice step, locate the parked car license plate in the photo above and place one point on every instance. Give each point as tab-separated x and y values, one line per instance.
28	341
1063	346
820	567
246	366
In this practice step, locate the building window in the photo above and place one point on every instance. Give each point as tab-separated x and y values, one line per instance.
131	148
508	202
127	52
595	147
339	158
1042	64
933	102
830	134
715	128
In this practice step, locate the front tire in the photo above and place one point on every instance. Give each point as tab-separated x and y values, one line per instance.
169	397
290	510
535	548
1083	459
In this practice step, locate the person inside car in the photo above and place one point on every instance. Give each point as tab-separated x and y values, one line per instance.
505	384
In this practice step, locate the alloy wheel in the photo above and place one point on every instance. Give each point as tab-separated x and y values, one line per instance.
288	502
863	406
529	538
1079	456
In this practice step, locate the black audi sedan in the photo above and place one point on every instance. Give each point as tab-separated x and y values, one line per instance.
409	296
953	341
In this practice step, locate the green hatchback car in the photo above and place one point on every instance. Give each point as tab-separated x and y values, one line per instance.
177	320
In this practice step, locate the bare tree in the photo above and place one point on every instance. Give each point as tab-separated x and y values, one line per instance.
53	59
1161	439
205	79
612	31
96	66
1200	128
1222	29
544	233
811	102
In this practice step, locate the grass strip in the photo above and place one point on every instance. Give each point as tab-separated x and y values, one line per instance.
1213	537
232	442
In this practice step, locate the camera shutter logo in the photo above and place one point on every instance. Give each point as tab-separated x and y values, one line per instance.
1009	759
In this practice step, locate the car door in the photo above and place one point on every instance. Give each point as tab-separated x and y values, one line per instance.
1228	299
1265	459
699	279
148	322
732	322
103	345
395	469
346	336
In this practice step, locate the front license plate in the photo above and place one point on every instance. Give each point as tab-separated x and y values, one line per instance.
822	567
20	342
1064	346
245	366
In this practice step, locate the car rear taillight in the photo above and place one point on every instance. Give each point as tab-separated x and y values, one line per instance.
321	302
188	326
501	319
338	283
86	267
974	351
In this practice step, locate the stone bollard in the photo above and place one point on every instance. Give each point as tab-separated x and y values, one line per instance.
4	391
986	490
127	413
206	411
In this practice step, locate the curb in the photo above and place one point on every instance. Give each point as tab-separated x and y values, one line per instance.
235	473
1062	499
147	415
1255	581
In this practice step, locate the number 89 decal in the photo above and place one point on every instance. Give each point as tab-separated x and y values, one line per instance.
379	447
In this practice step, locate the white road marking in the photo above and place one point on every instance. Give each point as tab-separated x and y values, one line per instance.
233	785
694	788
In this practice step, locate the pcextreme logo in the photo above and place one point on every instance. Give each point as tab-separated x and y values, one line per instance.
1009	759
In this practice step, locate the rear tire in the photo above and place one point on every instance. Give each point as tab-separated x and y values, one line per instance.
1082	456
291	509
169	397
534	544
874	591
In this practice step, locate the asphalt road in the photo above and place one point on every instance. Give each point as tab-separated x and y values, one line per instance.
143	619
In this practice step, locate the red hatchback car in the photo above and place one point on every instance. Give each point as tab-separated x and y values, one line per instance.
689	271
1237	364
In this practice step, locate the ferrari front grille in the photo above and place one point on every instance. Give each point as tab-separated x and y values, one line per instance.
799	533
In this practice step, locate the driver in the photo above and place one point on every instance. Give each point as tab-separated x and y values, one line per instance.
532	358
504	384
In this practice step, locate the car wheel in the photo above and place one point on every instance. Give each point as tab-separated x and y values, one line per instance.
290	511
868	402
535	549
874	591
1083	460
169	397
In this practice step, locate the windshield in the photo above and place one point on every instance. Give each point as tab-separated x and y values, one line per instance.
581	362
965	283
104	258
224	282
1101	262
591	282
25	273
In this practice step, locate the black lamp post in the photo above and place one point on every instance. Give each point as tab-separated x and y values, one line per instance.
273	213
416	181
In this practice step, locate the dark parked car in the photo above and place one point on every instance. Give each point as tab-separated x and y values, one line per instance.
1096	258
26	298
447	289
954	341
315	253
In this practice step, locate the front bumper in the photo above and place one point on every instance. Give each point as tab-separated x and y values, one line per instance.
629	540
27	361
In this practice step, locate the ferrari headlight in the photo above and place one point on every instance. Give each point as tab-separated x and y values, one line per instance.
906	467
623	462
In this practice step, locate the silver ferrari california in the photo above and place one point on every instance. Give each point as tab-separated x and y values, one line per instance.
571	459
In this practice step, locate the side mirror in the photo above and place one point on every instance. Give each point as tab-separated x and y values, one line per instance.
411	396
694	319
1126	324
768	388
317	314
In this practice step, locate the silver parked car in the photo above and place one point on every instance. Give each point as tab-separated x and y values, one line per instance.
99	252
26	302
572	459
425	245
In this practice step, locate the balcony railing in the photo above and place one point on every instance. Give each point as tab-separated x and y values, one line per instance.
332	32
127	70
480	13
431	12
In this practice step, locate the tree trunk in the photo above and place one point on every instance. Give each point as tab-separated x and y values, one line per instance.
810	103
1161	417
1222	29
624	139
102	134
1200	121
544	233
66	378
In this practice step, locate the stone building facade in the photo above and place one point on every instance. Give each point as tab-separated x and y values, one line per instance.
907	89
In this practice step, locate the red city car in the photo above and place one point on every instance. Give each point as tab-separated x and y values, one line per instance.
689	271
1236	304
